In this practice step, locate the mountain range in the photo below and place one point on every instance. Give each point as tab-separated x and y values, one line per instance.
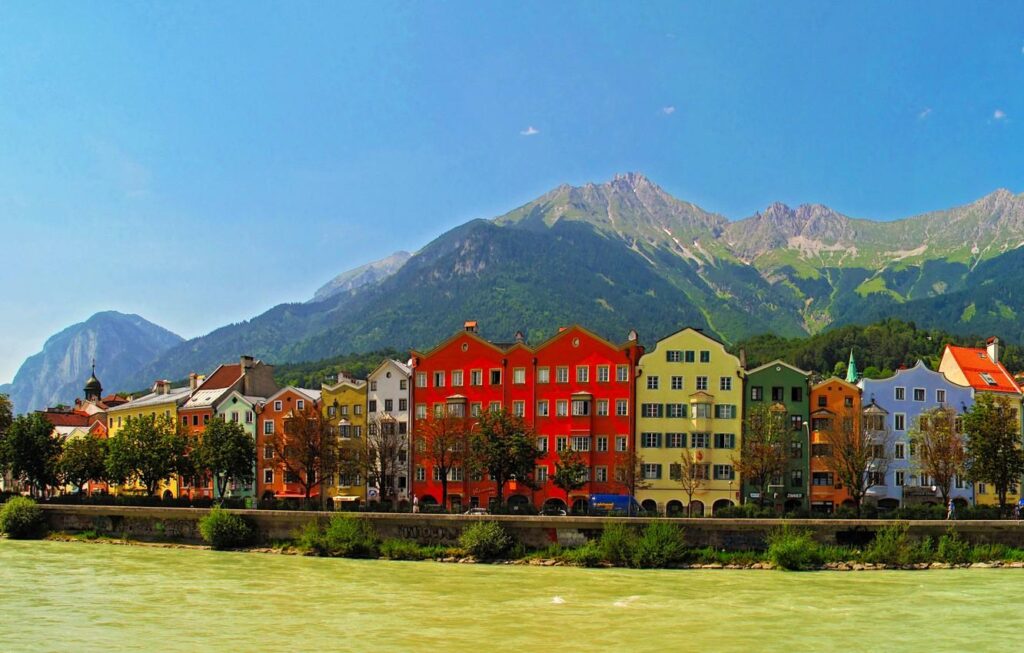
626	254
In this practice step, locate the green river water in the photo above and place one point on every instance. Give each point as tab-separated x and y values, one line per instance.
93	597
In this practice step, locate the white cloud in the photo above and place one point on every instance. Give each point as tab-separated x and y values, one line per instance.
923	115
669	110
999	114
530	131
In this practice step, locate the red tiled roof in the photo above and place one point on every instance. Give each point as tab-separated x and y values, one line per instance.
60	418
222	377
974	363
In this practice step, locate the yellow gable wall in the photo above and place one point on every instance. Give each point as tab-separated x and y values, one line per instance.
722	374
349	403
118	418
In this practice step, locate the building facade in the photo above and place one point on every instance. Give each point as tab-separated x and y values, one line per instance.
689	397
389	406
273	480
835	405
344	407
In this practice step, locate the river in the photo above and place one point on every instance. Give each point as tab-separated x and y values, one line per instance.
58	596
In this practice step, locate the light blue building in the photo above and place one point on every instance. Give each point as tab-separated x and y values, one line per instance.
899	400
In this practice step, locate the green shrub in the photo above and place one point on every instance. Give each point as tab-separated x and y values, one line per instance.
953	549
661	544
588	555
485	540
989	552
22	519
310	538
224	530
618	542
396	549
349	536
892	546
747	511
794	549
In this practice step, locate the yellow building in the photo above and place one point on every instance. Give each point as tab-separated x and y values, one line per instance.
689	406
163	401
344	406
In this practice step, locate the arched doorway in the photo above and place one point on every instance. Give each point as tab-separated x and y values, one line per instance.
696	508
791	505
268	495
428	500
518	503
960	503
579	506
721	504
888	503
650	506
554	506
674	508
455	503
167	495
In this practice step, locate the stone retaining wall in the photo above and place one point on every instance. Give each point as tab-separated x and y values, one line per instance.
181	524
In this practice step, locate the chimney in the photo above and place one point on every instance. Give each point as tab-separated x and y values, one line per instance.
520	338
470	326
743	358
633	336
992	348
193	381
161	387
246	362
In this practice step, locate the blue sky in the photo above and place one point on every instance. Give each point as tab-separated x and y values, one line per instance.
197	163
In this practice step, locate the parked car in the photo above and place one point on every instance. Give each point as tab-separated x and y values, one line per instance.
552	511
477	511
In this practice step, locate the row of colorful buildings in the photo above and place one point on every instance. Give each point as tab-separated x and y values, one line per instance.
625	410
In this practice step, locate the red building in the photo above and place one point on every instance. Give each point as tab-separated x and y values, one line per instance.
575	390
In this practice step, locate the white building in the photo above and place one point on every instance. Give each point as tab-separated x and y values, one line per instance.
387	409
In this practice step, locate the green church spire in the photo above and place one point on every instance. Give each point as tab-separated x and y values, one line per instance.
851	370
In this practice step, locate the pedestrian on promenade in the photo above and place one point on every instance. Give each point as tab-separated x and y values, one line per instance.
415	503
951	510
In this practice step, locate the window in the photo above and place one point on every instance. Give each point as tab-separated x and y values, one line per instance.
901	393
389	405
650	440
373	386
796	478
601	474
455	474
495	377
603	373
476	377
543	375
674	356
437	473
438	379
475	409
403	405
621	407
900	422
580	407
821	449
290	477
796	394
494	406
268	477
689	356
940	396
622	373
561	408
651	410
421	473
725	383
822	478
796	449
403	384
344	410
675	440
278	405
249	416
725	441
421	379
877	451
519	376
582	374
982	488
602	407
724	473
756	393
268	427
958	482
705	356
357	409
300	404
542	408
677	383
457	377
899	452
184	420
602	443
702	383
652	383
821	423
421	411
796	422
561	443
675	410
561	374
901	479
702	411
652	471
540	474
519	408
822	401
778	393
268	452
987	378
918	394
620	443
581	443
725	411
542	443
848	402
699	440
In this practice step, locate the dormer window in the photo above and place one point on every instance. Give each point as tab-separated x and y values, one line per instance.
987	378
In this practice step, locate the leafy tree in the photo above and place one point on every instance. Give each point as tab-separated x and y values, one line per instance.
503	445
148	449
443	441
570	472
6	417
629	472
33	451
83	459
691	476
939	447
994	454
762	455
308	448
227	453
385	453
859	457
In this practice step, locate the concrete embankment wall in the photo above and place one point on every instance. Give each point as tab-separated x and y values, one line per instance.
182	525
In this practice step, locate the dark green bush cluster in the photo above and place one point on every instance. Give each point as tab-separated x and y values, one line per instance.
22	519
485	540
892	546
794	549
747	511
346	536
396	549
660	545
953	549
225	530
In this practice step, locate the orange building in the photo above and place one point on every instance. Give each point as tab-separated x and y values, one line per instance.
272	479
835	404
